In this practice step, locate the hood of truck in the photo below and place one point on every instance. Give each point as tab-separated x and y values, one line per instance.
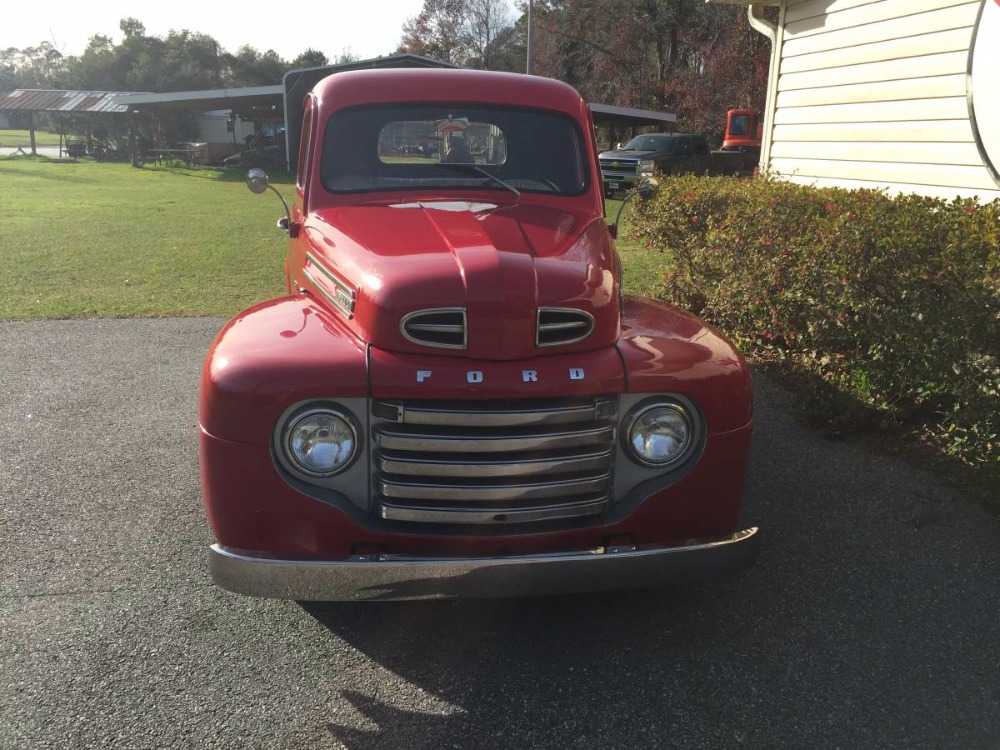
397	271
628	155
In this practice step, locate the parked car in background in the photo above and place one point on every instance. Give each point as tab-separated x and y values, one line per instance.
666	154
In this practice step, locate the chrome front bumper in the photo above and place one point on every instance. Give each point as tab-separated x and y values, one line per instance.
396	578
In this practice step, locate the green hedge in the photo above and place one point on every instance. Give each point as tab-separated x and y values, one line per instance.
894	300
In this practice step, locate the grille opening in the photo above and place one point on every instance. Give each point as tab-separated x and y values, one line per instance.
558	326
505	463
443	328
625	167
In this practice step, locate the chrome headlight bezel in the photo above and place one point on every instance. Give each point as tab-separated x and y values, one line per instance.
296	420
672	407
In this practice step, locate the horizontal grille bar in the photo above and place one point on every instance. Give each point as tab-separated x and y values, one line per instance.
442	328
557	327
481	516
493	491
485	469
500	416
488	444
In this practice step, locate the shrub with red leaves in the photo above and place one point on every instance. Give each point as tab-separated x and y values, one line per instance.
894	300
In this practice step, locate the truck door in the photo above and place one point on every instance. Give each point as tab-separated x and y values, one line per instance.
684	156
701	156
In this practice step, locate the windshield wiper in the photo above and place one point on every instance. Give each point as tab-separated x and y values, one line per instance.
476	169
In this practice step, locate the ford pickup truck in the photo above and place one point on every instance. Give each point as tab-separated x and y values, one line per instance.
666	154
453	397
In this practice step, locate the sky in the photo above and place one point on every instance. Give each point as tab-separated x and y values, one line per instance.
368	28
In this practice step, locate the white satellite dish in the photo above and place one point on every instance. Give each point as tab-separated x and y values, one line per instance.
984	93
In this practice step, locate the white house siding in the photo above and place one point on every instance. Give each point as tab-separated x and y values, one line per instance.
872	93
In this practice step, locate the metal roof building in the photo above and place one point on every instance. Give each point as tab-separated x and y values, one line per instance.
30	101
43	100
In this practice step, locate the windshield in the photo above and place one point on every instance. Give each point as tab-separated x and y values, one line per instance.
454	146
739	125
651	143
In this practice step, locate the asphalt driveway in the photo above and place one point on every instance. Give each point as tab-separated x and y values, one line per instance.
871	619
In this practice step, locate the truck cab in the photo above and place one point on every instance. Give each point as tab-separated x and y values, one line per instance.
454	397
744	132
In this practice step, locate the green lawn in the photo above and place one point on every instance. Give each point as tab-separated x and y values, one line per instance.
108	240
643	268
94	239
22	138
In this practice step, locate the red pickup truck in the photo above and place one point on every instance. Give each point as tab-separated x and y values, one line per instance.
454	398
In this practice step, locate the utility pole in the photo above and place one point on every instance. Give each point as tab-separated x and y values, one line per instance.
531	33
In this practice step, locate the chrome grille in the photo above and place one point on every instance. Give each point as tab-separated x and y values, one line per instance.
558	326
493	462
619	166
444	328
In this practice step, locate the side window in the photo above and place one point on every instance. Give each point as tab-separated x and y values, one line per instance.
305	146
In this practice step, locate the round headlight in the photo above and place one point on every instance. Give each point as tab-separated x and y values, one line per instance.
320	442
661	434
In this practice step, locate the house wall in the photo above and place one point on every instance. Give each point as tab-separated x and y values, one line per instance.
875	93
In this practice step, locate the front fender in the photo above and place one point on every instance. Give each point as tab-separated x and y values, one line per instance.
666	350
270	356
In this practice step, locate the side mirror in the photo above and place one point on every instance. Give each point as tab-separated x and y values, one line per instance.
645	190
257	181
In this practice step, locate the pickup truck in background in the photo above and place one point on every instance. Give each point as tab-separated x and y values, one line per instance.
665	154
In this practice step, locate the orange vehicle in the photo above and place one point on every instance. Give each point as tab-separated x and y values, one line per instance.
744	131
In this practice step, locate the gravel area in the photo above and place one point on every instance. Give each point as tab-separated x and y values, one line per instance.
872	618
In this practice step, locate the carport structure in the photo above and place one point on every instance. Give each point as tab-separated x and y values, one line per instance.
621	120
284	100
31	101
276	103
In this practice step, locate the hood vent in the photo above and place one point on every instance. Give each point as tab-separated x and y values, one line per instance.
443	327
558	326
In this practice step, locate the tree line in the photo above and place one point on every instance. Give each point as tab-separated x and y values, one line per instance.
180	61
683	56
